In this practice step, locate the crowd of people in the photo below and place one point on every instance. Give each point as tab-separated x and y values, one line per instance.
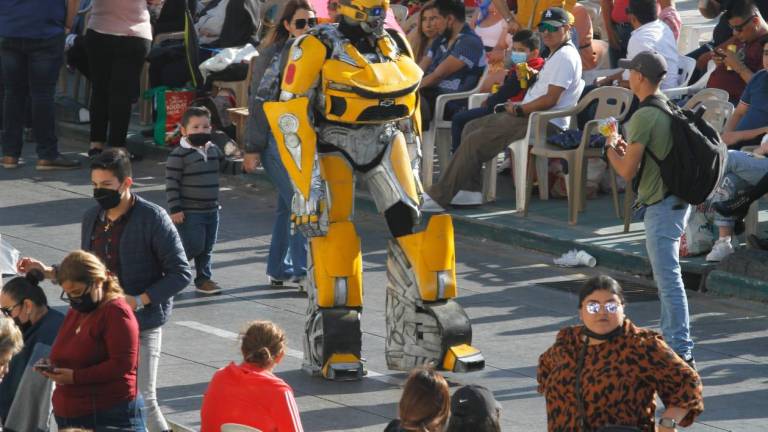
530	56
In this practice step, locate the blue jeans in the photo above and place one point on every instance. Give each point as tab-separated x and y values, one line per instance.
664	225
461	119
30	68
287	251
742	171
124	417
198	234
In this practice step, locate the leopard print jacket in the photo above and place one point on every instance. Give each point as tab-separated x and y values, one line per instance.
620	379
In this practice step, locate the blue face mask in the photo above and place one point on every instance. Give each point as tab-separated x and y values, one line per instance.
515	57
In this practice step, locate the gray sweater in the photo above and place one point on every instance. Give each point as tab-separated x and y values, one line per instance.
192	182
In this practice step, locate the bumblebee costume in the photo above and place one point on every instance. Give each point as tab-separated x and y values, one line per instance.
349	104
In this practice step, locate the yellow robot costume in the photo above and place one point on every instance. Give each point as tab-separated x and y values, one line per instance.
348	105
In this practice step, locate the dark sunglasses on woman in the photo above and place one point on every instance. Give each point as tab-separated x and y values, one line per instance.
302	22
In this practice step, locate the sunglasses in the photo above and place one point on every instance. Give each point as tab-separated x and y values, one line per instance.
302	22
544	27
594	307
740	27
65	297
7	311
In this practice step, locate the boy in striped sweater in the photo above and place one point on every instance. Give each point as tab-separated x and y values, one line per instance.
192	187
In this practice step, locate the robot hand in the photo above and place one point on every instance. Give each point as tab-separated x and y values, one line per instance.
310	216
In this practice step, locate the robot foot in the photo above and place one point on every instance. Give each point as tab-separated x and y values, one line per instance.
421	332
332	344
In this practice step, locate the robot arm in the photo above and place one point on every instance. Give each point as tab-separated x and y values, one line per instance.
291	124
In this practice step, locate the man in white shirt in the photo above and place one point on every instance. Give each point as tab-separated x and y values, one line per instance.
558	86
650	34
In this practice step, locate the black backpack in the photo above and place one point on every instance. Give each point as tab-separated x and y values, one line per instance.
696	162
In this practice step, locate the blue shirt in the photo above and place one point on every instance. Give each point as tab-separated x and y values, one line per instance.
468	48
756	96
32	19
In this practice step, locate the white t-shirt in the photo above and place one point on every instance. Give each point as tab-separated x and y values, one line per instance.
561	69
656	36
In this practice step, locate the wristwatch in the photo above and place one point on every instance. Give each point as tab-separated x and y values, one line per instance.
139	303
668	422
519	111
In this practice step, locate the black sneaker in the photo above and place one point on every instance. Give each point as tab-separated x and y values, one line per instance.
92	153
60	163
737	206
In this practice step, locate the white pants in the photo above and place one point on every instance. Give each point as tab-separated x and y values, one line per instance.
150	342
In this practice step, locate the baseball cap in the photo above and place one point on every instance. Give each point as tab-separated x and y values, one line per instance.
557	17
649	63
474	402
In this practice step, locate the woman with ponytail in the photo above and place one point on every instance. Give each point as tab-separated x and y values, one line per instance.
249	393
425	405
23	301
606	373
95	356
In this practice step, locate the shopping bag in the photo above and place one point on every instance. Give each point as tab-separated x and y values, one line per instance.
170	105
9	257
699	236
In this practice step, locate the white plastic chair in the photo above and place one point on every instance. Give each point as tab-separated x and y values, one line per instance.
717	113
611	102
440	132
683	90
232	427
705	95
691	35
685	68
400	12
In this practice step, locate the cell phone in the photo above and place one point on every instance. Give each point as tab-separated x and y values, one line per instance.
500	108
44	365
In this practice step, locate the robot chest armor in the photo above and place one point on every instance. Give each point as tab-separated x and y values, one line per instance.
368	88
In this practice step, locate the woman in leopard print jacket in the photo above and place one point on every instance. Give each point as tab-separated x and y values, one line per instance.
617	368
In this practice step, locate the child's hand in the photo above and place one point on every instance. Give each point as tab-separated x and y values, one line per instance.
178	218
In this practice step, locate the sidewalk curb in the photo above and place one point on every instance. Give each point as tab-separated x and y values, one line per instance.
718	282
727	284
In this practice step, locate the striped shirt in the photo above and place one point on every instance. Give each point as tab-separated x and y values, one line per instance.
192	182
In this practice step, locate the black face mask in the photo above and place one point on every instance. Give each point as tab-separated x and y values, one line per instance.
22	326
107	198
84	303
199	139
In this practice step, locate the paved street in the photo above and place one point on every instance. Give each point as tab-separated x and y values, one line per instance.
515	316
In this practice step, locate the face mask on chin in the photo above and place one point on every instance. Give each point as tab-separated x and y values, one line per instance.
107	198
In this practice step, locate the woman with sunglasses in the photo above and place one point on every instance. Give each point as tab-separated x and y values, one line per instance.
23	301
95	356
607	371
287	262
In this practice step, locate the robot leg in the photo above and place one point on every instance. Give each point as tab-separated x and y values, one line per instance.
424	323
333	337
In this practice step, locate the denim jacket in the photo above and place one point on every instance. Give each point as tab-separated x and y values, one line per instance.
152	259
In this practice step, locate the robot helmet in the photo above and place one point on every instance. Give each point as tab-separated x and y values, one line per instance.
371	12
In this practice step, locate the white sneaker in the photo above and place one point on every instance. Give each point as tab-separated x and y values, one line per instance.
467	198
505	165
429	205
720	250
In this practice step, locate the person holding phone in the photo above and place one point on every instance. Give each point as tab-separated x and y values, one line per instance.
96	354
23	300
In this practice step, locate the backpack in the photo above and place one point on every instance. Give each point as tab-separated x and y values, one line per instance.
696	162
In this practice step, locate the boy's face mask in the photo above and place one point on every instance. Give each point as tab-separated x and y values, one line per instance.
199	139
515	57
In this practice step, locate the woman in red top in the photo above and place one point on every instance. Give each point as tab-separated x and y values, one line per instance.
248	393
95	356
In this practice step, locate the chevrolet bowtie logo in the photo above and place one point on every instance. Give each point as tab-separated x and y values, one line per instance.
386	102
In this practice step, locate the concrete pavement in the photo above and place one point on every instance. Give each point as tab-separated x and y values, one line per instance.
507	292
